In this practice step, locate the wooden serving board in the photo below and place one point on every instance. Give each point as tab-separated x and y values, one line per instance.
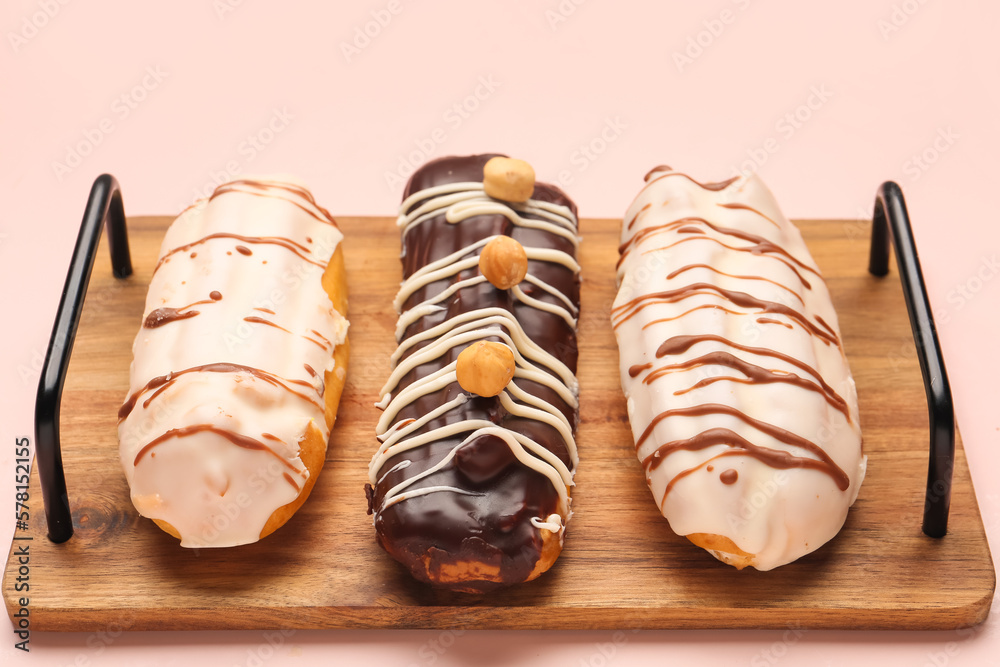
622	567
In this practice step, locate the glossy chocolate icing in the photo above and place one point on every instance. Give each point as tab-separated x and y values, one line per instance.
492	526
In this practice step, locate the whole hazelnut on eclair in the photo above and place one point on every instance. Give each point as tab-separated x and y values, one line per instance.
504	262
484	368
508	179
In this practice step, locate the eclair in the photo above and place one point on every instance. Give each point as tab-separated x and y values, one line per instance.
739	394
470	485
238	364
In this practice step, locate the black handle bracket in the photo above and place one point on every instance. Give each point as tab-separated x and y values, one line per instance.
104	209
891	220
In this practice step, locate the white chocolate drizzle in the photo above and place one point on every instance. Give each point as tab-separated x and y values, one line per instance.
458	202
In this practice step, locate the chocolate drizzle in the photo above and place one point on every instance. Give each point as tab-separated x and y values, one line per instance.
279	241
291	480
677	272
798	451
323	340
759	244
680	344
253	319
627	310
704	306
775	458
658	168
161	382
485	514
275	190
754	375
639	368
768	320
715	187
237	439
744	207
161	316
638	215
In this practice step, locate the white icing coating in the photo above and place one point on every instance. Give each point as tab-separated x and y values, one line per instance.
459	201
673	251
214	484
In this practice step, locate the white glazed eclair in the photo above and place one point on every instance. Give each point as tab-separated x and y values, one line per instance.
741	402
238	366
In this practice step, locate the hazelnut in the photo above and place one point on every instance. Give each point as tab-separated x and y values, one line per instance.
485	368
508	179
504	262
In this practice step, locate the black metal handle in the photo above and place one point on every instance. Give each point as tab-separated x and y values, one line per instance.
104	208
891	218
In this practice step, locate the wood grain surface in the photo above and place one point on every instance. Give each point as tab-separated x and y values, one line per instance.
622	567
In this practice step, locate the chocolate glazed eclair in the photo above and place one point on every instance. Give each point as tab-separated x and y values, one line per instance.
470	486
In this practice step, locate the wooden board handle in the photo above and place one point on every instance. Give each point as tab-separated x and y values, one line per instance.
891	220
104	209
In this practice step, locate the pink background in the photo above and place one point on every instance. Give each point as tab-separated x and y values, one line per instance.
593	94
